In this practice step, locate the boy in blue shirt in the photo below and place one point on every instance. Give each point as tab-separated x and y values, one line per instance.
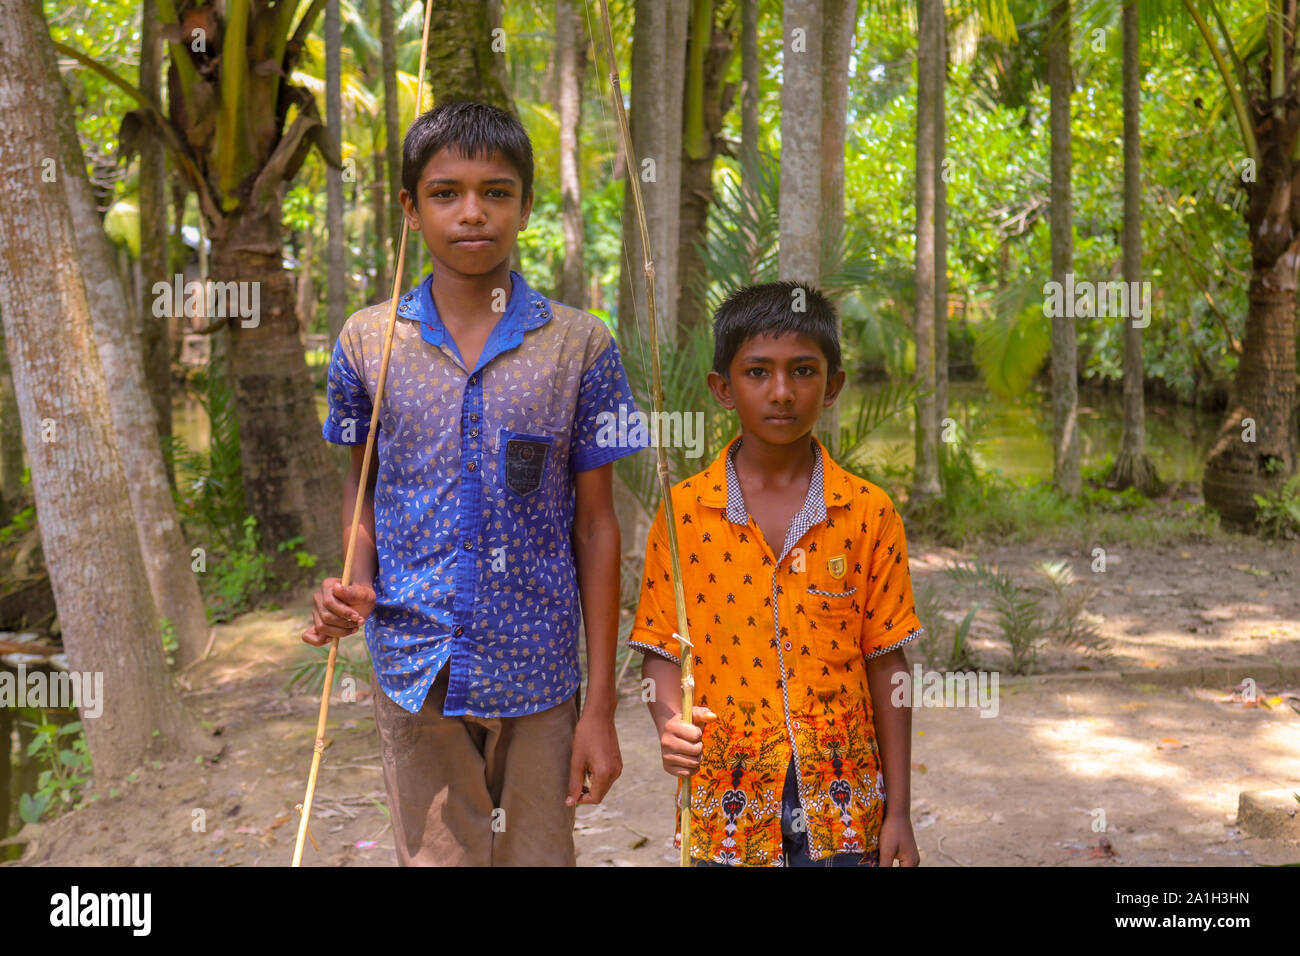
489	515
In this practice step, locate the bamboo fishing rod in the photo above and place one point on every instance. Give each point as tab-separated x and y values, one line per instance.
319	747
685	647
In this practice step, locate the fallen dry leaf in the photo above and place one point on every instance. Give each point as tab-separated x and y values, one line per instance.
1103	850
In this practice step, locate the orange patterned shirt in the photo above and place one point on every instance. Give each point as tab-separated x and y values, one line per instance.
781	641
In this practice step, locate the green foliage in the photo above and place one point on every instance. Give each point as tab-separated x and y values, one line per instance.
240	577
309	675
1016	609
871	414
62	749
1071	625
305	558
19	525
684	373
1011	346
300	210
1278	514
210	501
209	486
934	645
1020	616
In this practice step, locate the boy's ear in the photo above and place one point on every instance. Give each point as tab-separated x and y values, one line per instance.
833	385
409	210
527	210
721	390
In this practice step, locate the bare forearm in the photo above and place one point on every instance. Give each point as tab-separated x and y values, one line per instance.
893	725
365	559
596	551
666	700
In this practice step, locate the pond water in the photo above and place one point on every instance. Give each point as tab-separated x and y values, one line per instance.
1014	436
1011	435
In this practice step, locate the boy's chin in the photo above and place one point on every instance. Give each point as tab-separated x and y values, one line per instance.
777	434
473	265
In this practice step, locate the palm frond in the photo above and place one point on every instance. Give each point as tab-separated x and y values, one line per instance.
896	398
1010	347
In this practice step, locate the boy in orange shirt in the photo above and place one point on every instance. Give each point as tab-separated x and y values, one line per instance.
799	602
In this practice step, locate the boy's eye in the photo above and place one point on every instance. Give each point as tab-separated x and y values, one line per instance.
802	371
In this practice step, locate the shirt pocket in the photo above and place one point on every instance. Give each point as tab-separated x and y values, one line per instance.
524	460
834	607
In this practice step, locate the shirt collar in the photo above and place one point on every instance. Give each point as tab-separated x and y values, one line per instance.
831	487
527	309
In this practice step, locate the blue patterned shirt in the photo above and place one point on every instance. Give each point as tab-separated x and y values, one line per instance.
474	495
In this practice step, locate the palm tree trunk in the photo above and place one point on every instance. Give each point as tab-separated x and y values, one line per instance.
290	484
800	204
1255	451
337	269
106	611
571	63
392	131
305	293
176	324
926	477
1065	386
657	91
11	439
749	128
841	17
153	233
941	236
707	102
462	62
165	554
379	202
1133	468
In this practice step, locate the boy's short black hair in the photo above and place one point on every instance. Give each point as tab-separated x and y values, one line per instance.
774	308
476	130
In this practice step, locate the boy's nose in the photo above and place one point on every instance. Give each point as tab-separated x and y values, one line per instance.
782	388
471	210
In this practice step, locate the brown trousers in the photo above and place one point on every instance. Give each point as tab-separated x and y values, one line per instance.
477	791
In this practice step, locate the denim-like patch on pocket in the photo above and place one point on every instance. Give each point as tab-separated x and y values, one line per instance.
523	461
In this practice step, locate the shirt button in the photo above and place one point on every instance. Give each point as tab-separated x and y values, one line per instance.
460	631
469	545
473	416
473	379
472	467
473	433
796	725
787	645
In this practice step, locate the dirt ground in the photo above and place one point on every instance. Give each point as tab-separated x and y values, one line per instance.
1137	764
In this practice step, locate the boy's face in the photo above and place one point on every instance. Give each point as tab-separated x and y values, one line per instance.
778	385
470	213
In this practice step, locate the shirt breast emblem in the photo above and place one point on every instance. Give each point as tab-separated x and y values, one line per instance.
837	566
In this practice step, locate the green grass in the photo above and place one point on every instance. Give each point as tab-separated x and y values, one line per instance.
987	508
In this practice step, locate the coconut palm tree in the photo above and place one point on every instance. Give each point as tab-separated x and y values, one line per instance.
1255	450
239	130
